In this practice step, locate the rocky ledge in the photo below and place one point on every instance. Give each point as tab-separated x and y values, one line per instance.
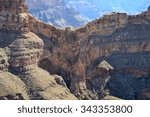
108	56
120	40
20	76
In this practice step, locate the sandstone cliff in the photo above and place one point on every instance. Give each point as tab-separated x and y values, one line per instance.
123	41
20	76
108	56
119	39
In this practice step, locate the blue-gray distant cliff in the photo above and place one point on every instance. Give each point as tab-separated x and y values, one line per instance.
55	12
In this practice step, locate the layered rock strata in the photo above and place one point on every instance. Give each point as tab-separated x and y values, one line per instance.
11	86
21	78
119	39
108	56
123	41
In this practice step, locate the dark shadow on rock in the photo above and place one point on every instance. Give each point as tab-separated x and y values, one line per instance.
7	37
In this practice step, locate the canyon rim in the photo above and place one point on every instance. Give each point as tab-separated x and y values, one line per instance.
107	58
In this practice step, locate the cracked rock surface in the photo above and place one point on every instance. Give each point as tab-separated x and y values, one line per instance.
106	59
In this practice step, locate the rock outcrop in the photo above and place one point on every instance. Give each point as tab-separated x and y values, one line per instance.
20	76
13	15
123	41
119	39
11	86
108	56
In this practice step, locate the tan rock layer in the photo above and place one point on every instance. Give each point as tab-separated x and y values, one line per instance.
25	80
13	15
67	51
105	26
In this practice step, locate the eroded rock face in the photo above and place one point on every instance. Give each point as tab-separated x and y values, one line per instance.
108	56
117	38
3	60
10	85
125	47
61	54
20	76
13	15
99	79
25	52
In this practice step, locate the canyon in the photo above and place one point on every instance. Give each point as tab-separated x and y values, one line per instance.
20	76
106	59
55	12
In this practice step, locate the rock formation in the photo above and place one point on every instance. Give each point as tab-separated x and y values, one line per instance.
122	41
20	77
119	39
55	12
108	56
10	85
13	15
